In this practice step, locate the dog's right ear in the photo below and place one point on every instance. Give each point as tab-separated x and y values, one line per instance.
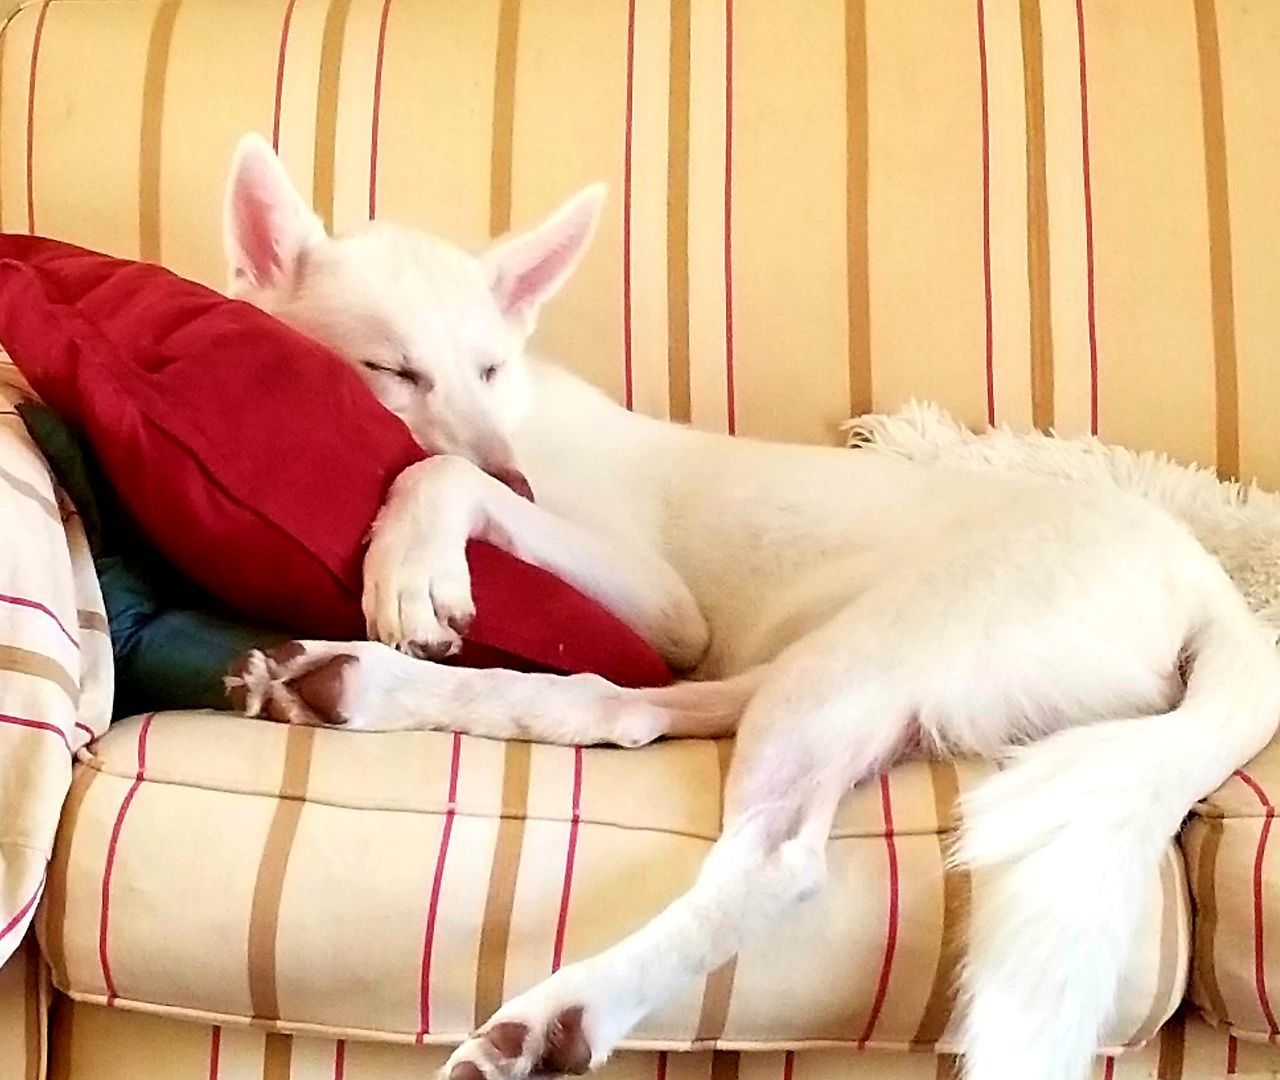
266	225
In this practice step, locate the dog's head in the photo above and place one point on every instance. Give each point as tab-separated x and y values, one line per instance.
438	334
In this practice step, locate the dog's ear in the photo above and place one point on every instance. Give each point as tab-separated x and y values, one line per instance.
529	268
266	225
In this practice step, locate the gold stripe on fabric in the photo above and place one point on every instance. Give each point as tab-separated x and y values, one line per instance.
324	168
63	1048
264	914
30	492
725	1065
495	927
38	666
92	620
33	1038
1222	295
679	388
956	893
1037	217
277	1056
1173	1043
53	907
1207	920
158	50
718	991
1169	954
857	166
502	147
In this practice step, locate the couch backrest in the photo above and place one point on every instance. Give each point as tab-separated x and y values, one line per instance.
1056	213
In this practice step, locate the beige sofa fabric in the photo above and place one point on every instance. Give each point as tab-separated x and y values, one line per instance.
106	1045
398	887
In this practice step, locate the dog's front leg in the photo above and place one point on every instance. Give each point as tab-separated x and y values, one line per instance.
417	587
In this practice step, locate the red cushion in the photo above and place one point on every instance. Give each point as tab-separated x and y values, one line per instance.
255	459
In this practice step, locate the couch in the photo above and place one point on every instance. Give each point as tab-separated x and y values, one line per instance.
1057	214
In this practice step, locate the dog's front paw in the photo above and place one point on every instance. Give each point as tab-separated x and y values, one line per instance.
417	586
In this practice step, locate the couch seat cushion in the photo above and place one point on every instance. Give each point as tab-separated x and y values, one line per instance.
399	886
1233	864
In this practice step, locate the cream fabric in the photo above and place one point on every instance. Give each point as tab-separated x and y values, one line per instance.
1235	882
24	1001
399	887
92	1043
1012	207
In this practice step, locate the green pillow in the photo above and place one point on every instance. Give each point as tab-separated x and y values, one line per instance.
172	642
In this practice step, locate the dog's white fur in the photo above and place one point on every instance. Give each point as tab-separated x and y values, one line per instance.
837	607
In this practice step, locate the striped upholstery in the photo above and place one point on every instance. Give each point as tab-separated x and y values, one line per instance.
1235	881
24	1001
55	663
1041	212
398	887
1051	212
92	1042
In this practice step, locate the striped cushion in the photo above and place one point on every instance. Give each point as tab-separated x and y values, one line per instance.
398	887
91	1043
1055	212
1235	882
55	663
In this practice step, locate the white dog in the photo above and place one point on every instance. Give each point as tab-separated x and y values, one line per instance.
836	607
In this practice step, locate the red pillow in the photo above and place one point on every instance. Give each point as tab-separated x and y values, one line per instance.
255	459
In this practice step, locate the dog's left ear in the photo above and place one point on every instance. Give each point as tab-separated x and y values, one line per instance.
266	225
529	268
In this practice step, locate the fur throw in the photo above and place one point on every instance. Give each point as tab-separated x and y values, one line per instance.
1239	524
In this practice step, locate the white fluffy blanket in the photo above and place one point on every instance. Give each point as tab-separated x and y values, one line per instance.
1238	524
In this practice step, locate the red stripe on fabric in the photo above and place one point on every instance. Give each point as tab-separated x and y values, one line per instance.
437	883
340	1060
377	110
31	118
660	1072
731	409
788	1065
87	730
215	1052
571	853
1232	1048
1088	224
104	918
284	48
986	210
628	389
891	932
23	911
1259	972
36	725
35	605
1109	1069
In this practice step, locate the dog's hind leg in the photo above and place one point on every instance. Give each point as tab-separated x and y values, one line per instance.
789	772
365	686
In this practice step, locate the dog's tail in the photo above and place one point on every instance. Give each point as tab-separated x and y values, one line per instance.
1066	841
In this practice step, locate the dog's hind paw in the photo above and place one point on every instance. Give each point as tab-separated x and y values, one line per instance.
293	683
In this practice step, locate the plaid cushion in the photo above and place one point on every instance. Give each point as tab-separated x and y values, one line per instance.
55	663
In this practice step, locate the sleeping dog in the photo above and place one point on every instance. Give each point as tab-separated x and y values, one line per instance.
830	608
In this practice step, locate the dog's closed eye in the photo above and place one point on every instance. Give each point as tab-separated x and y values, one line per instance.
408	375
